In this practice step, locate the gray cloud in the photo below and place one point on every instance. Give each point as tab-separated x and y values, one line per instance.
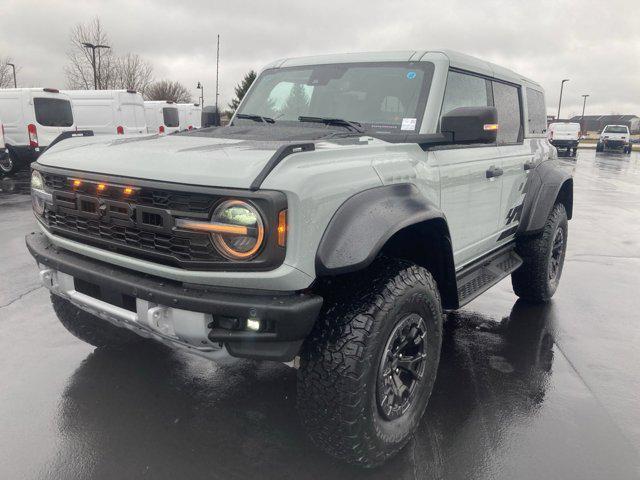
595	44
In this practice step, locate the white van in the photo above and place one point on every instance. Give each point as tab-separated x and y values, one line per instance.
109	112
32	119
190	116
564	135
162	116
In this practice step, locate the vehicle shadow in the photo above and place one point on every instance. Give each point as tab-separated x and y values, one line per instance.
148	411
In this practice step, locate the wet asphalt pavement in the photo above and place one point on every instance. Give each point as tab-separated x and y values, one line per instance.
523	391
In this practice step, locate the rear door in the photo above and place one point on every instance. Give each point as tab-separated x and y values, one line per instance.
53	115
470	176
15	129
516	157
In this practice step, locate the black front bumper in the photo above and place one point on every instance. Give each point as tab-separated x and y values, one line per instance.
614	144
287	318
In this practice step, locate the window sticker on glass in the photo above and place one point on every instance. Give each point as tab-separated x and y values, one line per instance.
411	75
408	124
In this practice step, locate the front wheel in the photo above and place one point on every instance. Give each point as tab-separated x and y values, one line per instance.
543	259
368	367
7	165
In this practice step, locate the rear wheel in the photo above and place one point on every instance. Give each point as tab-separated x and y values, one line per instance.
368	368
89	328
7	165
543	259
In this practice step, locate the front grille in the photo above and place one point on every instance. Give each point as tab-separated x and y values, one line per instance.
137	218
193	247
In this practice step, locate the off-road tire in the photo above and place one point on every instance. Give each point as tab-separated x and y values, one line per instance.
532	280
89	328
341	361
599	147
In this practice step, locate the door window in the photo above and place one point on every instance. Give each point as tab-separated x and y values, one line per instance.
537	111
506	99
464	90
171	117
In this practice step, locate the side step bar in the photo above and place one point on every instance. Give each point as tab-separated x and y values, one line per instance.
485	273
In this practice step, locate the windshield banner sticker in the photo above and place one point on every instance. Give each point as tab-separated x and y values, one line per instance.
408	124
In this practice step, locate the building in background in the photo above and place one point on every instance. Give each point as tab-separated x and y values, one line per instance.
596	123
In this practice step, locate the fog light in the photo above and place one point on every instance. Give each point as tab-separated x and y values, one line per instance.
253	324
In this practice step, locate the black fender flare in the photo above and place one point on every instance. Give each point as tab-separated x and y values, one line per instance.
362	225
546	184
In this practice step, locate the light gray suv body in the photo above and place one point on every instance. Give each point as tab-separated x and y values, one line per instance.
415	180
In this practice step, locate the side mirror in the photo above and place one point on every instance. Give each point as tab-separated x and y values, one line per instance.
471	124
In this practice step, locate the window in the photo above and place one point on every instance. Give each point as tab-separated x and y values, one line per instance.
506	99
171	117
464	90
537	111
381	96
53	112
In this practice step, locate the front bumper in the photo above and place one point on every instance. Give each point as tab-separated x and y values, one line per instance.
197	318
565	143
615	143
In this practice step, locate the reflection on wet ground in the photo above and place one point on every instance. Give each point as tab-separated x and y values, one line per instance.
15	184
518	393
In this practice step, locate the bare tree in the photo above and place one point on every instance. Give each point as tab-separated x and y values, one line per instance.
133	73
79	70
6	73
168	90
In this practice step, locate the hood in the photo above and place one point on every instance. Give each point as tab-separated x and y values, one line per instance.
223	157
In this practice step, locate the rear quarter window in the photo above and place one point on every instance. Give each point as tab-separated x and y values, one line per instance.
53	112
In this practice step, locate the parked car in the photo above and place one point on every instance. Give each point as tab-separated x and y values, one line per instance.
32	119
109	112
564	135
351	202
615	137
190	116
5	161
162	117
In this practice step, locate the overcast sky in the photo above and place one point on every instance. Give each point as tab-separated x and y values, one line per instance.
596	44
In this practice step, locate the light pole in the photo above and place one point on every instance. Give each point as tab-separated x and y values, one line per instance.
93	61
217	70
201	87
15	83
560	101
584	104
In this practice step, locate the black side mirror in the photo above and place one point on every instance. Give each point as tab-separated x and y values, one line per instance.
471	124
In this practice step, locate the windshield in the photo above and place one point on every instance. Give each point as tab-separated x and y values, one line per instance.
171	118
615	129
379	96
53	112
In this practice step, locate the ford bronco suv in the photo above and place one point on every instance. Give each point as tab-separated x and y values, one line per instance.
615	137
352	201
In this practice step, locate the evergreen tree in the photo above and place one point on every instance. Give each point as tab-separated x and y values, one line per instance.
241	89
297	103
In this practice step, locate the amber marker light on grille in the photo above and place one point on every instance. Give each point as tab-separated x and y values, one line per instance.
488	127
282	228
212	227
128	190
101	187
77	183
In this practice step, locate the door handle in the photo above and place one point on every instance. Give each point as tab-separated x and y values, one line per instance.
528	165
494	172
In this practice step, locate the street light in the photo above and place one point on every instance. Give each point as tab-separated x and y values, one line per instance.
93	62
15	83
201	87
560	102
584	104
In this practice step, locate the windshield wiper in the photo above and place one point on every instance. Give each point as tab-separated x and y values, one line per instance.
354	126
255	118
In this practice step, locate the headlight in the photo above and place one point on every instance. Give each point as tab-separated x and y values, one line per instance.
244	230
37	182
236	228
37	191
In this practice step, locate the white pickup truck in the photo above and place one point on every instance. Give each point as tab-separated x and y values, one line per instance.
615	137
